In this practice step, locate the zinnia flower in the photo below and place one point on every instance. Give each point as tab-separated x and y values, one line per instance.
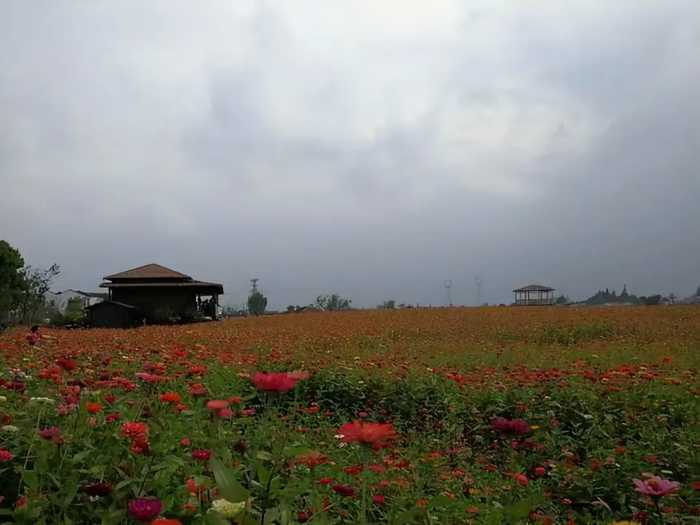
166	521
376	434
201	454
170	397
5	455
274	381
134	430
656	486
144	509
343	490
197	390
510	426
52	434
97	489
93	408
217	404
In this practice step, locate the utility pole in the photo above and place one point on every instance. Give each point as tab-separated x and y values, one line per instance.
479	282
448	287
254	285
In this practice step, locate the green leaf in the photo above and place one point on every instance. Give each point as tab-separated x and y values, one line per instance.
226	481
214	518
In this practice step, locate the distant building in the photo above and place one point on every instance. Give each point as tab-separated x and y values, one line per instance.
155	294
534	295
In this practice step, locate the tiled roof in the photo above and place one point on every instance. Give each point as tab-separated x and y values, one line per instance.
149	271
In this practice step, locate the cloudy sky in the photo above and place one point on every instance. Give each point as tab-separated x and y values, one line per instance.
371	148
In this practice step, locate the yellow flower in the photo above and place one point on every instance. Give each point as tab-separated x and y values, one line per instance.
226	508
3	399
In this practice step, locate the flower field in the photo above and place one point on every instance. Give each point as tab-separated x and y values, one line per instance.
426	416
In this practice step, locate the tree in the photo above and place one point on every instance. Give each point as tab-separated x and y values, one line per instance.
388	305
332	302
257	302
37	283
562	299
11	282
74	309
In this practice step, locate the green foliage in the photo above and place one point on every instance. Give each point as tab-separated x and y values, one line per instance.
332	302
257	303
11	282
572	335
32	304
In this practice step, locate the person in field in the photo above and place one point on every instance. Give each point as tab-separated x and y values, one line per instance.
34	337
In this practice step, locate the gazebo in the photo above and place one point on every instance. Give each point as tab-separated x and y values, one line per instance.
534	295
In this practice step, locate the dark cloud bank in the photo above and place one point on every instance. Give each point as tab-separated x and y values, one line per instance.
370	151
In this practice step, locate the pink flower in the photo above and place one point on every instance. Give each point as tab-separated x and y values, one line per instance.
217	404
52	434
144	509
274	381
655	486
5	455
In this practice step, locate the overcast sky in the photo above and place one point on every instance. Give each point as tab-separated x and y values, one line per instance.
371	148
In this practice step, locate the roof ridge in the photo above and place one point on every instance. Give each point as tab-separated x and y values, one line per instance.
146	271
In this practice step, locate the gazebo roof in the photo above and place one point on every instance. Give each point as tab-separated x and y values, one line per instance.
534	288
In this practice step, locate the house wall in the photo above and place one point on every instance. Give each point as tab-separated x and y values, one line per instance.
158	304
107	315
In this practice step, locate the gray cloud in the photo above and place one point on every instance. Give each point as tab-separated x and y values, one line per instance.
374	149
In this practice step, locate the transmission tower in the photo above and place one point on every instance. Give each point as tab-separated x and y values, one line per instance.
479	282
254	285
448	287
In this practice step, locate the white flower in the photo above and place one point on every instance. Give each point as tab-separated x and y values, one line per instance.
46	400
226	508
3	399
9	428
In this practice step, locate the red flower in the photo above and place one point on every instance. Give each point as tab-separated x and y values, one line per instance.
540	471
97	489
170	397
378	499
198	390
144	509
354	470
510	426
217	404
343	490
376	434
93	408
166	521
66	363
185	442
274	381
134	430
52	434
201	454
521	479
5	455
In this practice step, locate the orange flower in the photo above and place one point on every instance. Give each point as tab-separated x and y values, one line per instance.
93	408
170	397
